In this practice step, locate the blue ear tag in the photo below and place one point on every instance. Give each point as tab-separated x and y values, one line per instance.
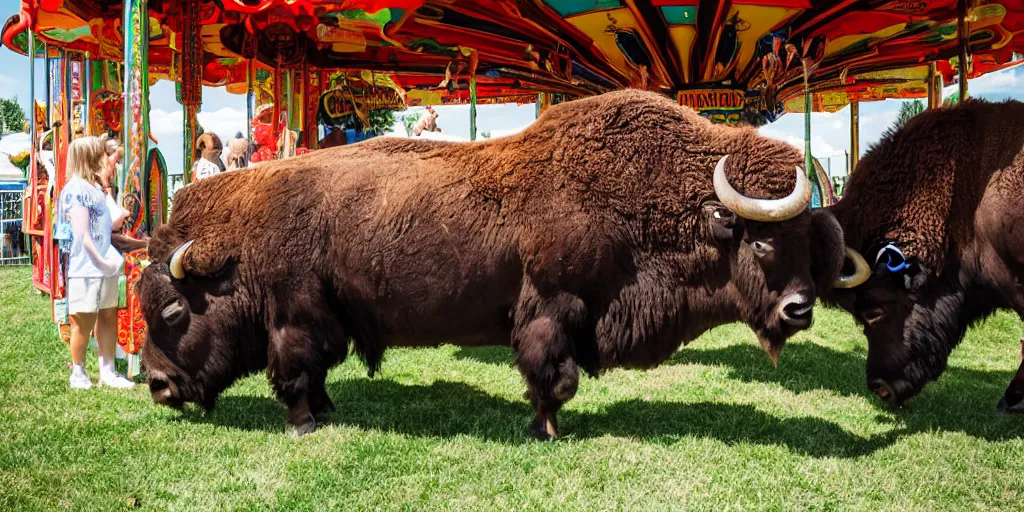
895	260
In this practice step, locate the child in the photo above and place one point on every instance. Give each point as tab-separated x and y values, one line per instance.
93	264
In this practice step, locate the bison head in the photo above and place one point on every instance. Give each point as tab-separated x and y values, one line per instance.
782	254
189	355
911	318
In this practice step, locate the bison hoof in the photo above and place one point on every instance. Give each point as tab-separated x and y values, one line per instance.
541	432
1005	407
302	429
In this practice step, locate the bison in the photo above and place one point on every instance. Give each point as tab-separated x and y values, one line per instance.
935	213
605	235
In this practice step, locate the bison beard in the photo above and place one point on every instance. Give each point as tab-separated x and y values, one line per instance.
945	190
592	240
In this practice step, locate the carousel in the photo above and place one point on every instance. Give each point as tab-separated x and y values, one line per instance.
319	73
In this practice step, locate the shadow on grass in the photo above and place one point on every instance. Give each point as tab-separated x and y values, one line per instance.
962	400
445	409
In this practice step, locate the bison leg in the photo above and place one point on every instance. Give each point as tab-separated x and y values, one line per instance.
320	403
545	356
295	394
1013	398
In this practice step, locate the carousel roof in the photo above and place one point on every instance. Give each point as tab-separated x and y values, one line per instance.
858	49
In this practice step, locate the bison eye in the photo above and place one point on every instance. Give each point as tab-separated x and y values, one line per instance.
873	315
762	249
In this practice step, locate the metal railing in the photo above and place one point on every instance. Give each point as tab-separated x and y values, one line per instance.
14	244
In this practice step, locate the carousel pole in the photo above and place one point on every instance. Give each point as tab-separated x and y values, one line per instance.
68	98
250	79
126	88
808	158
86	86
963	34
191	85
289	101
136	133
275	121
854	135
31	101
47	81
472	107
931	86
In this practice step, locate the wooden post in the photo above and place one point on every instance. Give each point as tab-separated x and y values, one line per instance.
854	135
963	34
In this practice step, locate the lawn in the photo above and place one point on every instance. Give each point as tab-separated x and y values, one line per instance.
715	428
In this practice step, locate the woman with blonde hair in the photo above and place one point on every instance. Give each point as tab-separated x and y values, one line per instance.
93	264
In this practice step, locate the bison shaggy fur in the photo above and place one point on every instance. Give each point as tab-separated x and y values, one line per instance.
589	241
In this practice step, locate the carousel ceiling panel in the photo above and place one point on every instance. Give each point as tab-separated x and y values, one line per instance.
574	46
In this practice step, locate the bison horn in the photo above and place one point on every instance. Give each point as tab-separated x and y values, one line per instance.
177	268
861	272
764	210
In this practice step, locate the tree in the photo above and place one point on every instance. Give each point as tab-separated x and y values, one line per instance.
381	120
953	99
409	121
12	117
908	111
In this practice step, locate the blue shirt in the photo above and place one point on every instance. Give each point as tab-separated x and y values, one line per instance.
79	192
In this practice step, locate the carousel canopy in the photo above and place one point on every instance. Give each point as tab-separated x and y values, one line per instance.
739	55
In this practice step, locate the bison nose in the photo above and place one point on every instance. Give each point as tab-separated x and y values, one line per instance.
165	393
894	393
797	310
881	388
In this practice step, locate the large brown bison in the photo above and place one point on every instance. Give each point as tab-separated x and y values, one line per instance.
603	236
937	211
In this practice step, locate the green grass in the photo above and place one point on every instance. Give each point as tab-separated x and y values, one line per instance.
715	428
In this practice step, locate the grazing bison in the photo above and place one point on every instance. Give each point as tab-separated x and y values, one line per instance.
937	212
605	235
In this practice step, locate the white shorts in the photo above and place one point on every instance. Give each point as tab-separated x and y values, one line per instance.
91	294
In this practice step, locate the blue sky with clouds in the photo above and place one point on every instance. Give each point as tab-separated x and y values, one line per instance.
224	113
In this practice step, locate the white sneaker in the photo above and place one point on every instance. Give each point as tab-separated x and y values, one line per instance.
80	381
116	381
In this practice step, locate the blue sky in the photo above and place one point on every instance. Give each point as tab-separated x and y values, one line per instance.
224	113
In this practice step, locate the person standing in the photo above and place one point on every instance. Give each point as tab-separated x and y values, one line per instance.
209	163
93	264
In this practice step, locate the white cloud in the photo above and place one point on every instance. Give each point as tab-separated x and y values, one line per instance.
225	122
162	122
819	146
996	83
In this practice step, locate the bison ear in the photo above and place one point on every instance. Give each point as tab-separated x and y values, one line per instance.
915	276
827	250
722	220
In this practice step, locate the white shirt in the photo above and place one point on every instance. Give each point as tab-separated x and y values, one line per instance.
204	168
78	192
